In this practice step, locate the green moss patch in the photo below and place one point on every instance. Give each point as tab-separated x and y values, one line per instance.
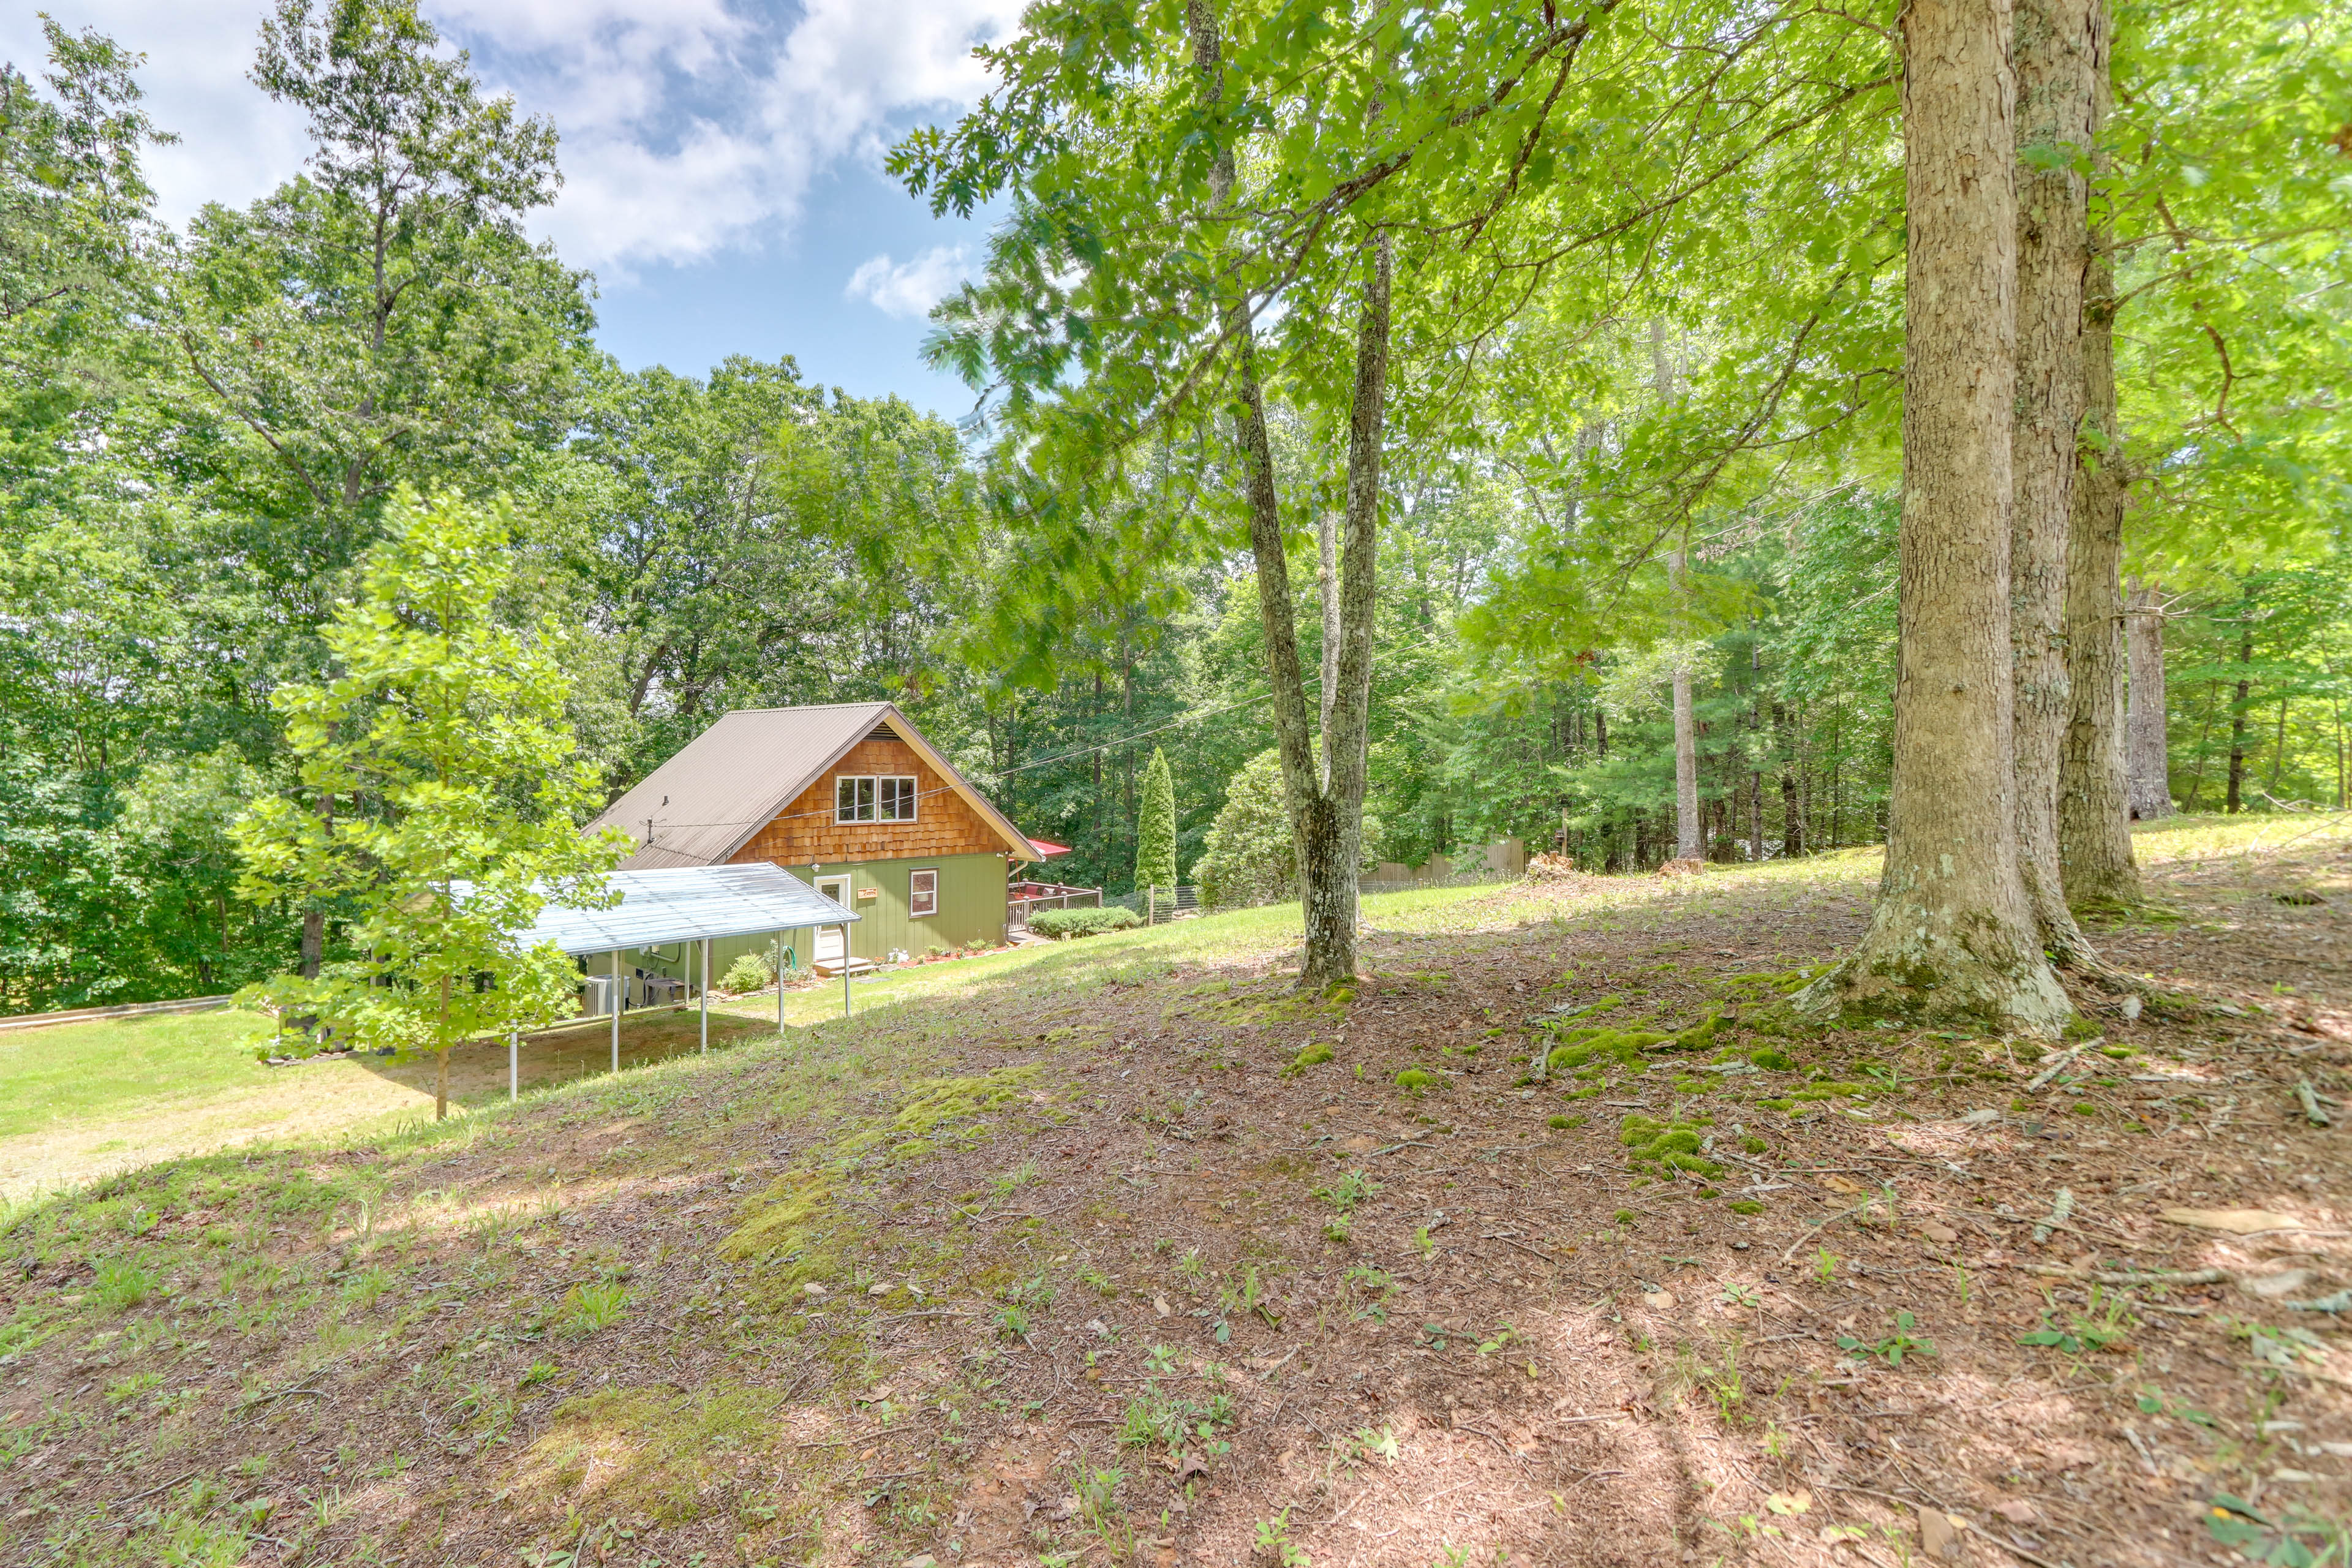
1563	1018
934	1105
795	1226
1664	1147
1624	1046
649	1451
1315	1055
796	1229
1415	1081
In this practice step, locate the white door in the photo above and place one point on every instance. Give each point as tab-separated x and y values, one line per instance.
828	937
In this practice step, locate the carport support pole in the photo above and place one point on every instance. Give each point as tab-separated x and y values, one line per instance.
780	983
514	1066
706	995
616	1009
845	971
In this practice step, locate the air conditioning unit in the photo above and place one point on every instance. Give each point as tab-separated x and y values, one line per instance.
596	994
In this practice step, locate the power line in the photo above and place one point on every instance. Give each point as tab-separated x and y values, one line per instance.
1116	743
1109	745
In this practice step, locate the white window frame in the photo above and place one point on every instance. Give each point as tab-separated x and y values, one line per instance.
865	796
914	896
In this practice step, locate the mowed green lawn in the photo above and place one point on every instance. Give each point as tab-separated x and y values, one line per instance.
76	1072
83	1099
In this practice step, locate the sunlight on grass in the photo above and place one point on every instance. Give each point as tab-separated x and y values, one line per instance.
2210	837
76	1071
83	1099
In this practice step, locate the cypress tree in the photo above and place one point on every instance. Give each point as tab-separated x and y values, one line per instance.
1155	828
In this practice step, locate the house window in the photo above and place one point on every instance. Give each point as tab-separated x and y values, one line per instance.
889	798
922	892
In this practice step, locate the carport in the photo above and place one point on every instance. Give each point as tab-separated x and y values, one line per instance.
684	904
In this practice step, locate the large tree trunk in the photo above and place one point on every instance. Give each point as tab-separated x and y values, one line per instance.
1951	937
1756	756
1690	838
1326	818
314	941
2147	765
2057	53
1792	811
2094	852
2236	801
1335	843
1326	584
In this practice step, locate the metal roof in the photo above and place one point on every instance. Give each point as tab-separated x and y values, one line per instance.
685	903
727	782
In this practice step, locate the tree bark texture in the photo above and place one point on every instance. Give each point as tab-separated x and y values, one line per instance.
2236	800
1326	818
1690	838
1331	843
2055	51
2094	854
1754	767
1327	582
441	1061
1952	936
2148	769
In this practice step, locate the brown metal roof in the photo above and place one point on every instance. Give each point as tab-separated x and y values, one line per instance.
731	781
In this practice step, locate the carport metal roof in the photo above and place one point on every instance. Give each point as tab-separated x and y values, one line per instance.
688	903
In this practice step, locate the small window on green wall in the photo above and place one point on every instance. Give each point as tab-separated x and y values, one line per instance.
922	892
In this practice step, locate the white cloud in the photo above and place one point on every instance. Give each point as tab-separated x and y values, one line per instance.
908	289
689	126
234	144
695	128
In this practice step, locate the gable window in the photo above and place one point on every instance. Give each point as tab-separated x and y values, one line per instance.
922	893
889	797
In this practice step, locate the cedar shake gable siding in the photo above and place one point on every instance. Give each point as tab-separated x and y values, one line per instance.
804	833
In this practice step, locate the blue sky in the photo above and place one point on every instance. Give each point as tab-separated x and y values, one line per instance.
789	295
722	158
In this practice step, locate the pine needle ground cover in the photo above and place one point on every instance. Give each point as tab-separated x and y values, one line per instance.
1097	1256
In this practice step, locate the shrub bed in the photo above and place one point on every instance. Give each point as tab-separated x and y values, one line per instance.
1063	923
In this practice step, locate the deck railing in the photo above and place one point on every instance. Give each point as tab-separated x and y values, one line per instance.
1024	899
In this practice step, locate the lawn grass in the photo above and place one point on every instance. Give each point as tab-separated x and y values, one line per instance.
868	1292
105	1097
76	1072
82	1100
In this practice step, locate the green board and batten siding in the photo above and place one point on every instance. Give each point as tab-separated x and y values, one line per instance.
971	903
972	910
785	770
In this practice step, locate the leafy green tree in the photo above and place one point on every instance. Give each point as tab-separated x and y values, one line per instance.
1401	192
1155	846
61	885
1251	856
448	788
744	540
174	831
73	202
383	319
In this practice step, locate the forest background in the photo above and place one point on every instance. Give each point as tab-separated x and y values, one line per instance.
201	431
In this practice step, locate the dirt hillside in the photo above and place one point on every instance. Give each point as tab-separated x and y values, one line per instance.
1543	1246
